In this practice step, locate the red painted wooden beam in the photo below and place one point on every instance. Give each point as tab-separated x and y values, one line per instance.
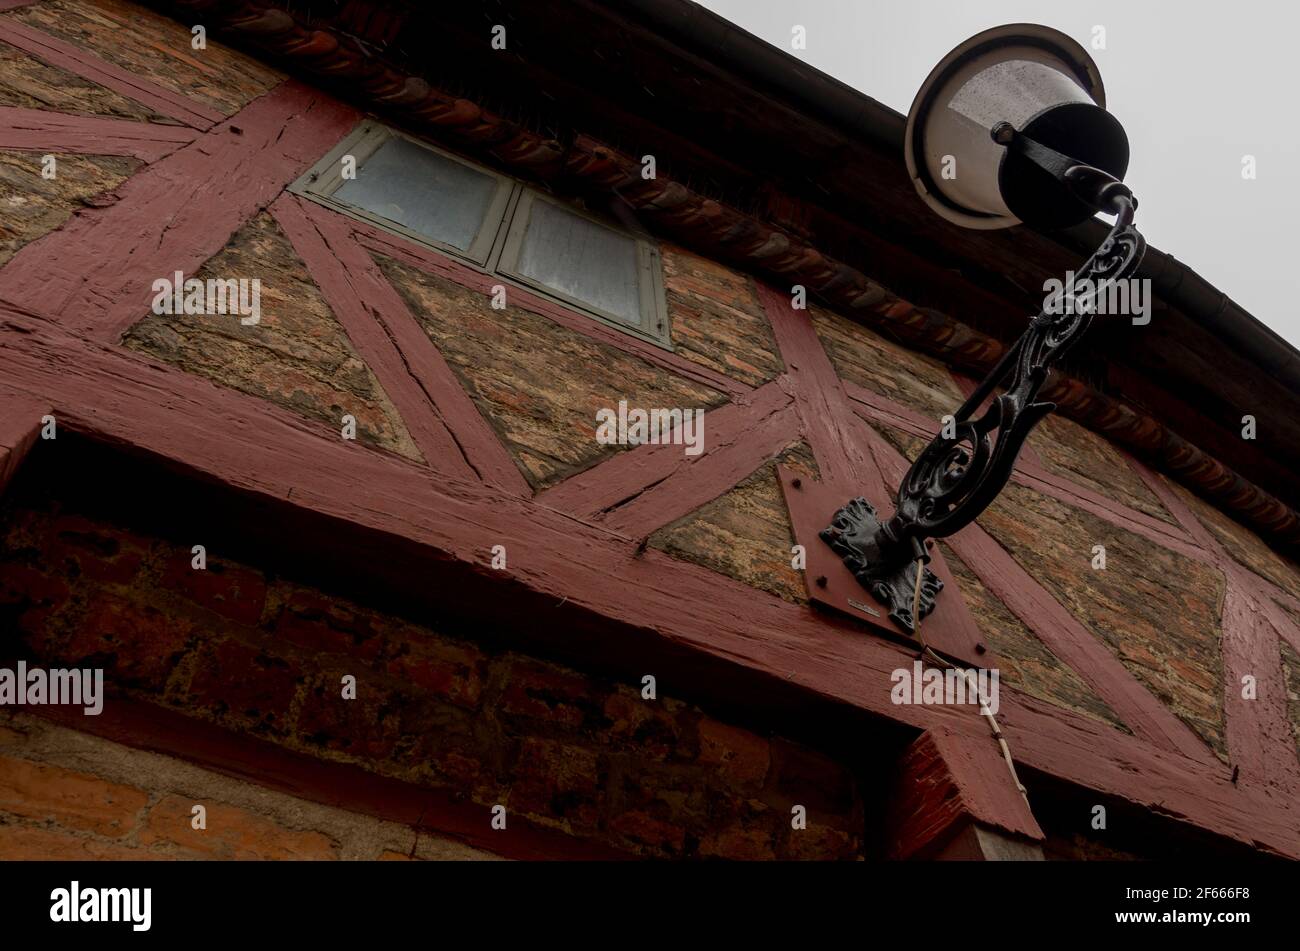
602	488
39	131
1286	625
877	409
1258	730
452	434
133	403
772	426
96	272
828	425
947	781
86	64
20	424
848	468
1261	744
424	259
1064	635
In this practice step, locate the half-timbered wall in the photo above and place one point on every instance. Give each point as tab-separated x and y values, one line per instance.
475	427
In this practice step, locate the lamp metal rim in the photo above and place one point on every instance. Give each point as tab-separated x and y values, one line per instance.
1066	48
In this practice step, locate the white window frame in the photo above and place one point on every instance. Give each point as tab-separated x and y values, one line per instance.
326	177
496	247
650	290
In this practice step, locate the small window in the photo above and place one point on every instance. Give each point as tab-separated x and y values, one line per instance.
426	195
414	190
552	248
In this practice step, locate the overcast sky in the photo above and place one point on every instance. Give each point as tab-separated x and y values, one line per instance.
1197	85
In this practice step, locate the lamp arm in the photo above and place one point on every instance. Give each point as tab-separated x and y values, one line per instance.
966	466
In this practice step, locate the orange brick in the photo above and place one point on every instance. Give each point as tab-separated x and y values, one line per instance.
77	800
231	833
19	844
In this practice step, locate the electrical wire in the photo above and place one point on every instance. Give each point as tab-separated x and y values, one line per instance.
969	675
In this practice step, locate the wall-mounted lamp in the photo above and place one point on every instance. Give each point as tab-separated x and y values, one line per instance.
1010	127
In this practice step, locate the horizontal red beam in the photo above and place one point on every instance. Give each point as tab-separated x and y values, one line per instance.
125	400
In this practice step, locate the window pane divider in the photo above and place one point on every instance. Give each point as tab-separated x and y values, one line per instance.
497	244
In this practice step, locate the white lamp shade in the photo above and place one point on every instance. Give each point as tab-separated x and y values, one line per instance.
1047	87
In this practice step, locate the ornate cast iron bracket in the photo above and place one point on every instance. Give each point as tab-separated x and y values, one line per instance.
965	467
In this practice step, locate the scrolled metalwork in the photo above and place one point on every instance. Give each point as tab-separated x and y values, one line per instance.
966	466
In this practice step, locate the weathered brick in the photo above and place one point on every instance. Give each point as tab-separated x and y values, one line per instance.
555	781
868	359
10	737
1291	675
155	47
368	726
569	751
228	589
1080	455
811	779
41	205
1243	545
298	356
1156	609
247	682
139	643
651	726
318	623
1026	662
76	800
538	382
738	844
231	833
820	843
543	692
717	319
39	594
96	550
745	533
680	796
460	766
738	755
30	83
20	843
448	670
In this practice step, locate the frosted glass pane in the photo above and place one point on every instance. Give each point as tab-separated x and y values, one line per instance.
578	257
423	191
